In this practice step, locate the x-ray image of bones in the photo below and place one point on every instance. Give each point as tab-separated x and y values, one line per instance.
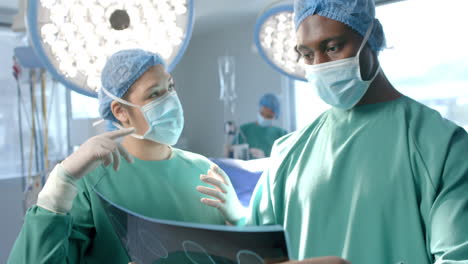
188	249
155	241
152	244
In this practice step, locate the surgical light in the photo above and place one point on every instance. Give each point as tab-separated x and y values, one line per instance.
73	38
275	38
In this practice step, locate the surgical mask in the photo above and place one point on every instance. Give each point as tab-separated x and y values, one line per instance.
263	121
339	83
164	116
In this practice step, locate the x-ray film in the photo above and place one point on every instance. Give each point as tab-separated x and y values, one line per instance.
154	241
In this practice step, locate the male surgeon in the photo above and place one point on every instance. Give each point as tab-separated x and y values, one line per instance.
379	177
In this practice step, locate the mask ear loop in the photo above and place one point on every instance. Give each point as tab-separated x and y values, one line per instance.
366	38
120	100
364	41
116	99
123	102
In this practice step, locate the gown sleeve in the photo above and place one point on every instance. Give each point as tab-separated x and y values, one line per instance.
266	205
48	237
448	224
261	209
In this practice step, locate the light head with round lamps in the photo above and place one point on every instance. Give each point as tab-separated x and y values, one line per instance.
73	38
275	38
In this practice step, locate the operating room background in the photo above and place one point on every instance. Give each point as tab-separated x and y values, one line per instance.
222	27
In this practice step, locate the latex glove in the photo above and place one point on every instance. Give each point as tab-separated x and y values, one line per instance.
257	153
60	190
101	148
225	197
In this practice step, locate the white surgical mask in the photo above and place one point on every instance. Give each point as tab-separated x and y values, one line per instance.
263	121
164	116
339	83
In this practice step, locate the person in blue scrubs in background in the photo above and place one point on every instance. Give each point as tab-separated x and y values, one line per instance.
261	134
379	177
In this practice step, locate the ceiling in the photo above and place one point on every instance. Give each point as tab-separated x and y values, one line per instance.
209	14
214	14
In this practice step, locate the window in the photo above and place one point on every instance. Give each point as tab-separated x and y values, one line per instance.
308	105
426	58
84	106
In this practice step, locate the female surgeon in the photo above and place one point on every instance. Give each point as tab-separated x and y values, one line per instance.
147	176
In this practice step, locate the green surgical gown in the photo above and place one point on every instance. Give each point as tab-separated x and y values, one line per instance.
381	183
159	189
261	137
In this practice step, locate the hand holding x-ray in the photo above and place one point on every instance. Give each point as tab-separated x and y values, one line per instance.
225	197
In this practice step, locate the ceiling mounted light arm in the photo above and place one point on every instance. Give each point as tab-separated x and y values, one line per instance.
275	38
74	38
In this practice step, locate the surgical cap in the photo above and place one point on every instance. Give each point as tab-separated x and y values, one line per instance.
271	101
357	14
122	69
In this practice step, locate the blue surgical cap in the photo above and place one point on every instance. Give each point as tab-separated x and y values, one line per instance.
271	101
122	69
357	14
110	126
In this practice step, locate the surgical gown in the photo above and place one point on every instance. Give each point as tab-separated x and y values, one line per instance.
160	189
260	137
381	183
